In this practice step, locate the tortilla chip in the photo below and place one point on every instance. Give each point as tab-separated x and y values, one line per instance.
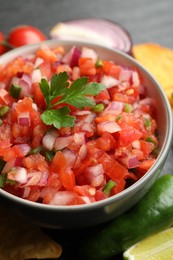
158	60
22	240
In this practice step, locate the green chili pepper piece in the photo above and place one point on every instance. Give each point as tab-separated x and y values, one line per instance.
98	108
128	108
49	155
3	110
15	91
118	118
99	63
147	122
108	187
36	150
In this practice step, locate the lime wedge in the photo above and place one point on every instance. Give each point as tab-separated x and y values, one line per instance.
155	247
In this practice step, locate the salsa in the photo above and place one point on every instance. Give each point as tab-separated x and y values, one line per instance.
82	154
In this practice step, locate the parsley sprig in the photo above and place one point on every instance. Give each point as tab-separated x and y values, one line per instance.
76	95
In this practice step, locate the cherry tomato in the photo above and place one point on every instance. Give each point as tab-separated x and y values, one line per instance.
2	47
25	34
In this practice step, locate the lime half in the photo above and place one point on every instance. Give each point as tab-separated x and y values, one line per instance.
155	247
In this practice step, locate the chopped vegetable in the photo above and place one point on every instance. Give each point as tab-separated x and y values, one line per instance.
115	36
3	110
108	187
24	34
15	91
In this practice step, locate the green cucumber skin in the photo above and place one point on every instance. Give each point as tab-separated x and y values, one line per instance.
152	214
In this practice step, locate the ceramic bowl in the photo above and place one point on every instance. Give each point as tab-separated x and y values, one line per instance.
107	209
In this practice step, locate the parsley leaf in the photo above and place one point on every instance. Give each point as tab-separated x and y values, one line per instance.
58	117
58	87
77	95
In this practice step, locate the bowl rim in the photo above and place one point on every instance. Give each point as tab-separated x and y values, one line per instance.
31	48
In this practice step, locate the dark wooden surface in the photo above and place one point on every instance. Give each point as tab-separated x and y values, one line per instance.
146	20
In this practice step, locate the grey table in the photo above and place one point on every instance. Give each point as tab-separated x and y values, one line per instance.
146	20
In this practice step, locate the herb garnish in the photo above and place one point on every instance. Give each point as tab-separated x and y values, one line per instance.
76	95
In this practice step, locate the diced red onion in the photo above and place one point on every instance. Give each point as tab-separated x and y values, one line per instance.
62	142
135	78
115	106
109	81
19	174
86	127
43	179
95	175
86	199
33	178
136	144
25	84
72	57
26	78
108	126
125	74
12	163
130	161
36	76
91	30
62	198
24	119
3	94
89	53
26	191
24	148
79	138
48	141
83	152
70	157
38	62
90	118
81	112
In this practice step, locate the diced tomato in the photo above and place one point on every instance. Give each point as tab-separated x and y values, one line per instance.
145	166
34	193
38	95
36	162
146	147
45	68
106	142
87	67
58	162
111	69
128	135
5	98
13	152
38	134
47	54
100	195
112	168
103	95
16	66
54	181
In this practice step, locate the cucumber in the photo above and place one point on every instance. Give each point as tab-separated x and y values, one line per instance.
152	214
